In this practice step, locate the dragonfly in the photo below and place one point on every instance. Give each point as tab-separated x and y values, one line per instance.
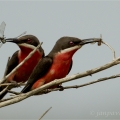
2	29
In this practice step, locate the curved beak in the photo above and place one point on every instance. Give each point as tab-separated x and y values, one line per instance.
90	40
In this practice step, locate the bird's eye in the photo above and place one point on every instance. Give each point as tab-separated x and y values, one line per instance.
29	40
71	43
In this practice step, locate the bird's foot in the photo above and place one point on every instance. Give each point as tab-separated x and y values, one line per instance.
15	83
61	88
89	72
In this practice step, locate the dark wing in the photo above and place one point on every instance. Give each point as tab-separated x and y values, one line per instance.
14	61
10	66
70	67
39	71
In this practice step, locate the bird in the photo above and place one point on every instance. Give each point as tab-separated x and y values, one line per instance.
57	64
26	44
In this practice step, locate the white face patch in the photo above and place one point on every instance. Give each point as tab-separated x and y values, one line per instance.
27	45
70	49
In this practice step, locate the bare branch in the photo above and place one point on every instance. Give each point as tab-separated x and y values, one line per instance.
92	82
13	92
56	82
16	68
9	98
73	86
13	84
44	113
67	87
78	86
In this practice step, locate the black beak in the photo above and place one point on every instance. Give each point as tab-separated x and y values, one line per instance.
14	40
90	40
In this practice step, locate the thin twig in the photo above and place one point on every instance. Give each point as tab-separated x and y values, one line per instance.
92	82
114	55
99	40
68	87
22	34
82	85
12	84
44	113
13	92
73	86
6	99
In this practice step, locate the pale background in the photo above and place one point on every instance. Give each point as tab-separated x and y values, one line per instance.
49	21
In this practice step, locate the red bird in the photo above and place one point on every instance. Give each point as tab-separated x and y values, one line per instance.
57	64
26	44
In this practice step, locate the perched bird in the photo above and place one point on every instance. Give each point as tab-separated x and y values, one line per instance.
57	64
26	44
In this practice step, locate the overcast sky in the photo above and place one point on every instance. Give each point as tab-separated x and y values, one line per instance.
49	21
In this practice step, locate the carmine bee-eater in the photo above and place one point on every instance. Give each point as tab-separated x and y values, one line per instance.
26	44
57	64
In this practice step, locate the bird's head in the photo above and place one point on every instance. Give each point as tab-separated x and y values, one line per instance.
69	45
26	41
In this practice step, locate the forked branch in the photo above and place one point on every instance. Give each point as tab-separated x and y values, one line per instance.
22	96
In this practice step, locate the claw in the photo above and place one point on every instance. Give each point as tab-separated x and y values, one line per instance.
61	88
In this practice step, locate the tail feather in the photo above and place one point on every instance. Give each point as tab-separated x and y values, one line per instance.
26	89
